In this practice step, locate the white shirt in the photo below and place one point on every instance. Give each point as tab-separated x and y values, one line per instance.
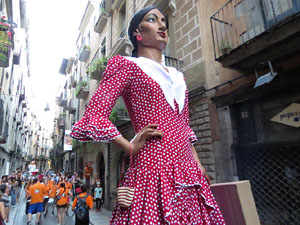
172	83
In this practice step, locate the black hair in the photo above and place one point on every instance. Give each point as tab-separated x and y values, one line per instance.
83	188
134	24
63	185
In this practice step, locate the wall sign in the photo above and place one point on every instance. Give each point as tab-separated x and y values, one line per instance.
67	141
289	116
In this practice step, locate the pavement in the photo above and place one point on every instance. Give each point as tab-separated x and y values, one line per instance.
17	216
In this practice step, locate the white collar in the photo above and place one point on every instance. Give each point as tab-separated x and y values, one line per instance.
172	83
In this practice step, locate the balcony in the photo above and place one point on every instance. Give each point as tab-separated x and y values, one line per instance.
61	123
102	19
247	32
72	106
62	102
82	90
119	114
122	46
24	104
96	68
84	53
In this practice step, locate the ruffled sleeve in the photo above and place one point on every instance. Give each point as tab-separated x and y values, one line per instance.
95	125
192	135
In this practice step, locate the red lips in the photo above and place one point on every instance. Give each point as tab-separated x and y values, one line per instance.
162	34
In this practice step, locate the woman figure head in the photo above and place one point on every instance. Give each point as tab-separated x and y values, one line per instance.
148	30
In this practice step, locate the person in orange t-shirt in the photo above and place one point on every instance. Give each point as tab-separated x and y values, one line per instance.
62	202
46	196
52	195
69	187
88	172
36	192
89	203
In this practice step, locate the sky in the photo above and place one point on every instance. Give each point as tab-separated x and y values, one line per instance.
53	31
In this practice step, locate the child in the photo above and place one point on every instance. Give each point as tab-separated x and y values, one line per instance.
98	196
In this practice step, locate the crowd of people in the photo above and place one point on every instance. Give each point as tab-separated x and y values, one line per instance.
49	191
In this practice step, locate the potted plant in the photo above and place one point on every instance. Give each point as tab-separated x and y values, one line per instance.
81	90
5	42
84	53
96	68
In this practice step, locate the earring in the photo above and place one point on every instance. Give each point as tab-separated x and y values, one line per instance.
139	37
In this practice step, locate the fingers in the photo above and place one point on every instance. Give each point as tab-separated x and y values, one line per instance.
153	126
148	133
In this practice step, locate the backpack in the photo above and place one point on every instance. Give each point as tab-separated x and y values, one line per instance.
82	210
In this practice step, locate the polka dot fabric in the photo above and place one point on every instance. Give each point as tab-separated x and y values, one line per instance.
169	186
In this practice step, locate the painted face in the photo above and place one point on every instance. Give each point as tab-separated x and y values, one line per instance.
153	30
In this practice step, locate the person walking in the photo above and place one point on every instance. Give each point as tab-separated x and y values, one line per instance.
98	196
13	191
2	210
169	182
52	195
28	198
62	202
88	173
19	187
4	189
81	206
36	205
70	188
46	195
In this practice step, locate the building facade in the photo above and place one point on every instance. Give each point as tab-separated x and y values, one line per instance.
20	141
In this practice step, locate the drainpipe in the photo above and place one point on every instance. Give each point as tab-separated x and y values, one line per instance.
108	172
111	30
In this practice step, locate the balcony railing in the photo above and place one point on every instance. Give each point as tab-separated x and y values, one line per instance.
169	61
240	22
122	46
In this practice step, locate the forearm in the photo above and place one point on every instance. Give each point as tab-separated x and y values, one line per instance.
195	154
123	143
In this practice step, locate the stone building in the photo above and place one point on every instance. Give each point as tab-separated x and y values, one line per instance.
250	65
223	48
15	112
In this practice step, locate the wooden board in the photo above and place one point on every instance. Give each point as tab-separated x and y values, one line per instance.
236	202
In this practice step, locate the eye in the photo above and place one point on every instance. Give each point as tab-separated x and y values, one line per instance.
151	19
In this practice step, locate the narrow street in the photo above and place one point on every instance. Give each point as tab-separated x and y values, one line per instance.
18	216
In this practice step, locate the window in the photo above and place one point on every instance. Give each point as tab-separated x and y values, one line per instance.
103	47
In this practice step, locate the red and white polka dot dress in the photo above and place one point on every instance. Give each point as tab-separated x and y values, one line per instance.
169	186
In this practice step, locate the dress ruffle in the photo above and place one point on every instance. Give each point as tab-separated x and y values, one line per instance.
95	129
193	138
172	190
